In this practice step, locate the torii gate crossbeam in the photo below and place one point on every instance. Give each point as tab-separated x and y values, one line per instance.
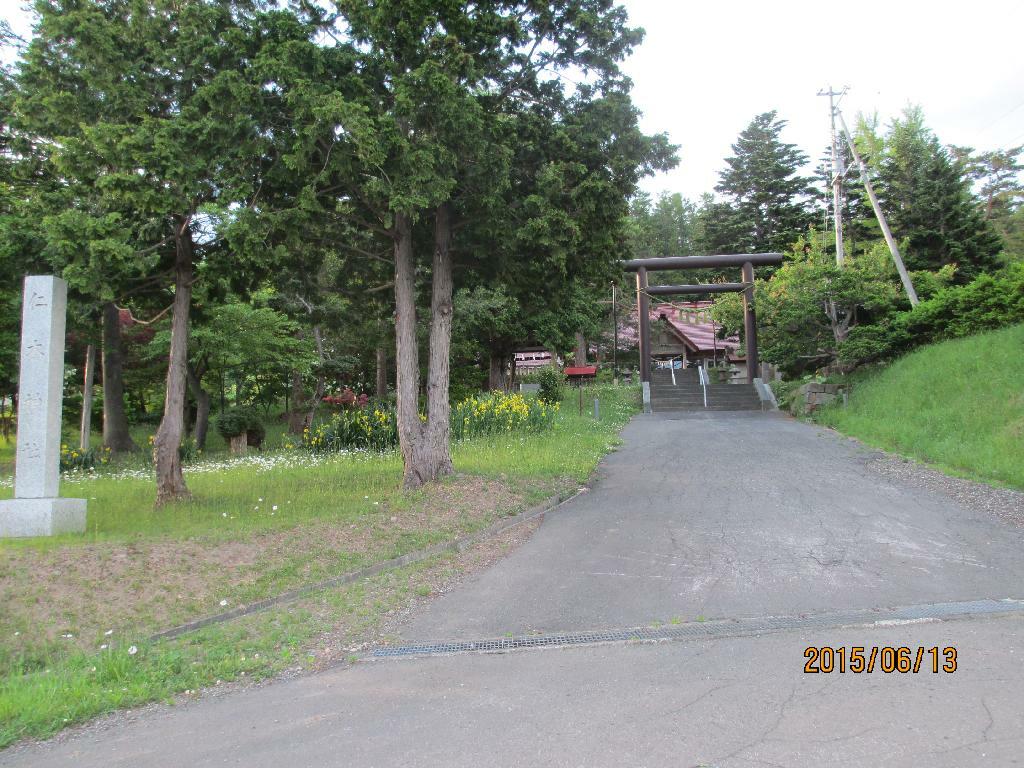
746	262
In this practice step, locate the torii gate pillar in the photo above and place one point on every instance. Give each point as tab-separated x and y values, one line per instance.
750	323
643	309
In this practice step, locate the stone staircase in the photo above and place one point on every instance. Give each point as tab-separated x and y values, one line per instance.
688	395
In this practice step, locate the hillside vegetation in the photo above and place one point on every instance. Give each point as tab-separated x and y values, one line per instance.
958	404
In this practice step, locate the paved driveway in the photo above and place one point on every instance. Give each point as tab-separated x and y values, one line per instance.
707	525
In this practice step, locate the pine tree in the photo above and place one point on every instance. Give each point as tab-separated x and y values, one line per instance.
766	196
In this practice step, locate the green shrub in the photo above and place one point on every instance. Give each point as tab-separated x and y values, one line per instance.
865	343
189	450
74	458
238	420
987	303
552	382
784	391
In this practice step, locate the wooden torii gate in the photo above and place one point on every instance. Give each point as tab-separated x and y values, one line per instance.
746	262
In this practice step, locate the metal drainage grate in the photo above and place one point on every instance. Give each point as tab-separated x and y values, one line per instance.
710	629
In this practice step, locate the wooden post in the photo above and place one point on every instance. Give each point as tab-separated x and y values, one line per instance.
750	322
645	324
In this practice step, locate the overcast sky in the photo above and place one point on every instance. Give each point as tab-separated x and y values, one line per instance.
707	68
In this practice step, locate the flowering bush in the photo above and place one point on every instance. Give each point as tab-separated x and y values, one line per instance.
73	458
348	399
378	430
499	412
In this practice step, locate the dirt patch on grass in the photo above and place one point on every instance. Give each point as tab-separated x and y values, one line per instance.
73	595
383	605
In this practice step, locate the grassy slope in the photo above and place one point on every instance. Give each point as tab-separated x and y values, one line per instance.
958	404
48	681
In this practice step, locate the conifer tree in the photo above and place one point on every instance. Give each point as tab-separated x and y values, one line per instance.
765	193
927	198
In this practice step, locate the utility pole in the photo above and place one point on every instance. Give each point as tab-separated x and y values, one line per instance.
889	239
838	171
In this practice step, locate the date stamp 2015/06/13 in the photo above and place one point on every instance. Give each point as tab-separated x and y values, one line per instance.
860	659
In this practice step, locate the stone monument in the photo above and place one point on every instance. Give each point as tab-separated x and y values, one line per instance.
36	509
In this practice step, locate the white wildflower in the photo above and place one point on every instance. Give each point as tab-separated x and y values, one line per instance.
132	650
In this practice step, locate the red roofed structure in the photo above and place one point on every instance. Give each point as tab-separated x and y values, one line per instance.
686	330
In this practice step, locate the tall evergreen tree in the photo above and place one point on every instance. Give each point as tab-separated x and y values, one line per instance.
928	200
764	191
996	175
423	148
158	122
662	227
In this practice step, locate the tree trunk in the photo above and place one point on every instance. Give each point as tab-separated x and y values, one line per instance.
581	349
115	422
87	388
321	382
186	415
407	366
424	446
195	384
170	483
297	414
434	458
382	371
496	377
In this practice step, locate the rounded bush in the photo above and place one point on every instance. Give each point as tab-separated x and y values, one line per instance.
238	420
551	382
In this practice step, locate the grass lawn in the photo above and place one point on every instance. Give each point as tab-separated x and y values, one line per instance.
75	605
958	405
7	454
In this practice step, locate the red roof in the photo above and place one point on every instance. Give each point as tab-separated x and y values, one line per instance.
582	370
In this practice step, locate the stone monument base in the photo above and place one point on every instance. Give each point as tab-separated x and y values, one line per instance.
41	517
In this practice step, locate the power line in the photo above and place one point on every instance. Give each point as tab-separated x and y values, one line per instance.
998	120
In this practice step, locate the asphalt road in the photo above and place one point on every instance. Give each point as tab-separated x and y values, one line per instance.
693	520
